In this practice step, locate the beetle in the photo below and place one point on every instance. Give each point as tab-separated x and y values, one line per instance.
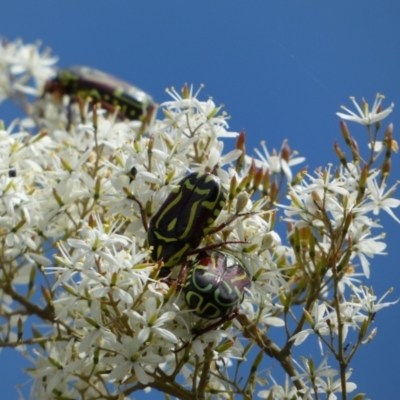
111	92
215	284
185	217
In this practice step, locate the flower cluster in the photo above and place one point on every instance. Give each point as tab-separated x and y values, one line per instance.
77	197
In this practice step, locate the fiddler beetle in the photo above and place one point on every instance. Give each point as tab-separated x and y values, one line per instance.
215	284
111	92
185	217
214	288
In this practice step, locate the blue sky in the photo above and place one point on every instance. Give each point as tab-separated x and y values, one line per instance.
282	69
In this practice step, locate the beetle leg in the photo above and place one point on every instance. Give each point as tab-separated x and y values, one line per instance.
216	324
213	246
229	221
182	274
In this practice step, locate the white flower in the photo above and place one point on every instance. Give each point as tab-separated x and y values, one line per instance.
365	246
275	163
130	356
151	322
329	386
27	59
366	117
366	300
380	200
311	373
278	392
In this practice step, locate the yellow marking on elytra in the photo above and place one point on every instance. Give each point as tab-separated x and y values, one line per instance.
172	224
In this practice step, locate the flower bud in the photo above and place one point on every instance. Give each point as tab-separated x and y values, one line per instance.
251	172
66	165
363	329
265	183
258	179
362	183
317	199
347	222
354	151
57	197
185	91
240	145
242	184
299	176
136	146
268	240
242	200
97	188
225	346
345	133
308	318
169	177
386	167
274	192
360	396
240	140
232	190
379	122
46	294
148	210
340	154
167	113
371	336
285	151
150	144
250	249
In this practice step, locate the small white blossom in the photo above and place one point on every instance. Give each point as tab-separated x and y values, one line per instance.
275	163
365	116
380	199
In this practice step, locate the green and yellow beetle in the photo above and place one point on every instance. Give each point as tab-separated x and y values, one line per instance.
111	92
215	284
185	217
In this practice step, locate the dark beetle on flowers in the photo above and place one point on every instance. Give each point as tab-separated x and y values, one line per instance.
215	284
185	217
111	92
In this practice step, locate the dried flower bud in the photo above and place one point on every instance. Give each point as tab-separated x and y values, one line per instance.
240	140
386	167
354	151
345	132
285	151
240	145
274	191
258	178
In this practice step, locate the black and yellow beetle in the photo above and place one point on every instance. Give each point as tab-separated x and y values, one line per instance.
185	217
111	92
215	284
